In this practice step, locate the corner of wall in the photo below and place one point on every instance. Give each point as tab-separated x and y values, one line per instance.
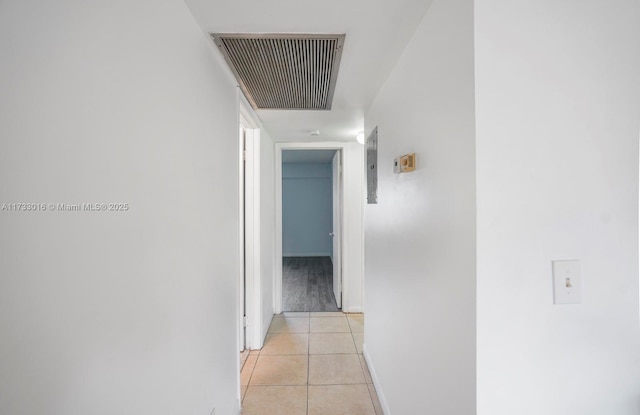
420	238
376	383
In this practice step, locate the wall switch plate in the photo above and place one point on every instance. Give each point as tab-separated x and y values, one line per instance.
567	284
396	165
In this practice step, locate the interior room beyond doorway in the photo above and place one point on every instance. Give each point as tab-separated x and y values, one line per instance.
307	284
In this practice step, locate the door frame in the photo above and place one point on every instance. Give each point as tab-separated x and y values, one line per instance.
279	147
250	246
242	293
336	210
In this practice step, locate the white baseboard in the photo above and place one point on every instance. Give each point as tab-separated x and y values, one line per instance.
265	327
376	383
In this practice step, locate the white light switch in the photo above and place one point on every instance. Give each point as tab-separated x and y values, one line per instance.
567	285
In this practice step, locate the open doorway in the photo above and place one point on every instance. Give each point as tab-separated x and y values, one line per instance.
350	204
311	230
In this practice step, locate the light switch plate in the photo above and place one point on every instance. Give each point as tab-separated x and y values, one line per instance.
567	283
396	165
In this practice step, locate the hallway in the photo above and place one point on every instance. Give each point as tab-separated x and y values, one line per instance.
311	364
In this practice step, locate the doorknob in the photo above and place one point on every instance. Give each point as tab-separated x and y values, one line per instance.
331	234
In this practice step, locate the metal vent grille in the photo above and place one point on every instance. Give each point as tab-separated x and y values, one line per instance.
284	71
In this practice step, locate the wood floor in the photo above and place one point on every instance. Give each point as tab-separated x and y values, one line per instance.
307	284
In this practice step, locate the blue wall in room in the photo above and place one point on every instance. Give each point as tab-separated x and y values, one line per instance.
307	209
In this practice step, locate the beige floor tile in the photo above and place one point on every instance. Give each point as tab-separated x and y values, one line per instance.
358	339
289	325
286	343
340	400
365	369
329	325
275	400
331	343
254	352
243	391
247	369
243	357
327	314
280	370
375	400
292	314
356	321
334	369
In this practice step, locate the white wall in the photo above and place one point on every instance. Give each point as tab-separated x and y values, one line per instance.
420	237
267	228
353	228
307	209
558	99
116	312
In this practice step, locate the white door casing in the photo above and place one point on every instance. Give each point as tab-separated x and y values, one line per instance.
251	246
242	341
336	259
351	233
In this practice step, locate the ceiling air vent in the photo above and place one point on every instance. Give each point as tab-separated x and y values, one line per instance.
284	71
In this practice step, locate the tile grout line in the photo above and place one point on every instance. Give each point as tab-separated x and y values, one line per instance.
252	370
308	333
354	343
371	398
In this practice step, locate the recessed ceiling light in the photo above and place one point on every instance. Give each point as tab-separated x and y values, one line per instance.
314	132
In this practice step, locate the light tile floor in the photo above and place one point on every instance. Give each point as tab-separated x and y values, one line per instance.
311	364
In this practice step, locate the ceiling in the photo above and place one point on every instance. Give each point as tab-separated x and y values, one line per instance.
307	156
376	34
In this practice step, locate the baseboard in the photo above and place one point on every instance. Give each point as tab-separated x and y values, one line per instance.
376	382
303	254
265	326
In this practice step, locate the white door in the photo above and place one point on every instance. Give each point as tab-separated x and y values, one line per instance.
337	228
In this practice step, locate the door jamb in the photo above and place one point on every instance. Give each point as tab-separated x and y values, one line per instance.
252	233
242	298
